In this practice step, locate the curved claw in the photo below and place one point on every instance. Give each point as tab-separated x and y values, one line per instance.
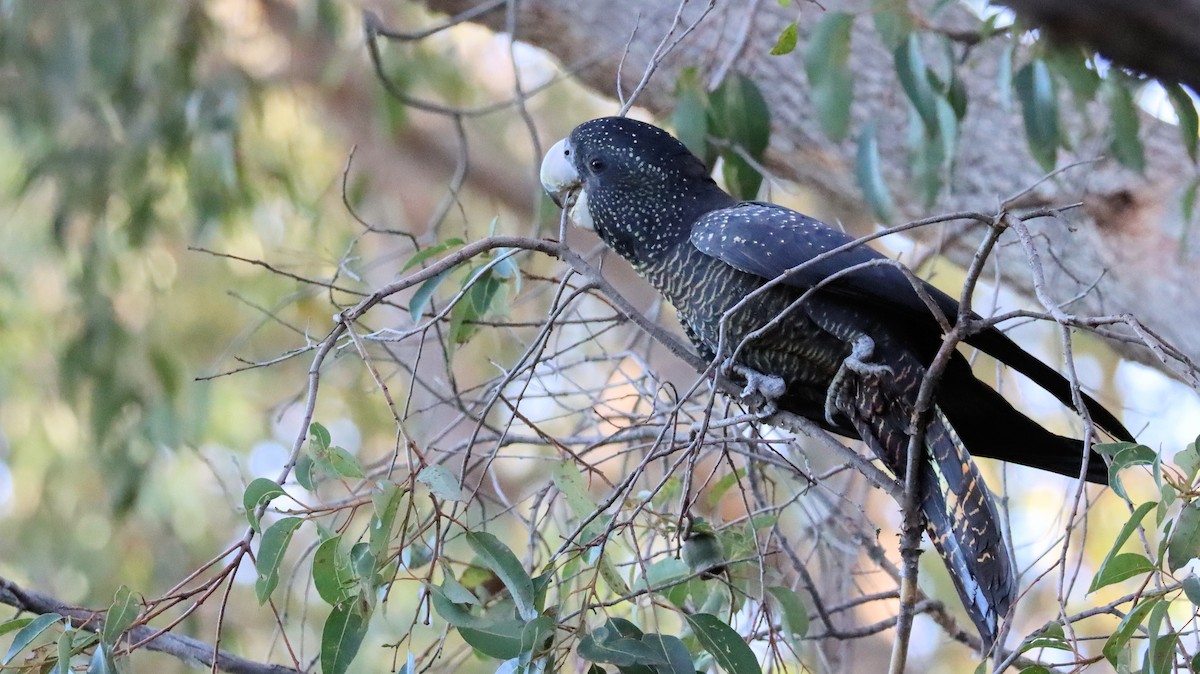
769	386
862	348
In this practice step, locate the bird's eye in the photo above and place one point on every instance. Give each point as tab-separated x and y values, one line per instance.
596	165
567	152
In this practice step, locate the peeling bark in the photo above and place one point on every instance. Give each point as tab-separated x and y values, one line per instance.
1126	252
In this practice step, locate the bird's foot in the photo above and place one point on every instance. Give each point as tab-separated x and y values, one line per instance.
857	362
769	386
861	350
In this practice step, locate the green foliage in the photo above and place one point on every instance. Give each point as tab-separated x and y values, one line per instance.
830	81
738	116
1037	92
939	100
869	172
732	122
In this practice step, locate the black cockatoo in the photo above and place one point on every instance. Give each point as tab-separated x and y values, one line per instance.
850	357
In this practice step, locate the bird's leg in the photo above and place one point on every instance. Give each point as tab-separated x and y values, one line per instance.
861	349
769	386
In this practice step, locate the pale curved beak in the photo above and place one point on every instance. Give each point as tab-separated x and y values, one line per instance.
562	182
558	175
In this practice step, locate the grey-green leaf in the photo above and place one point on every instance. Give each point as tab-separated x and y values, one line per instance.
690	117
1122	567
1039	107
120	616
724	644
1191	588
420	299
1185	537
422	255
1127	456
443	483
501	639
331	572
387	501
1125	145
28	633
795	616
676	659
343	463
258	492
1127	530
914	79
1125	630
869	173
342	636
318	436
1185	112
831	84
497	557
271	549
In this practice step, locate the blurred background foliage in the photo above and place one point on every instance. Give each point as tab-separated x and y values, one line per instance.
134	136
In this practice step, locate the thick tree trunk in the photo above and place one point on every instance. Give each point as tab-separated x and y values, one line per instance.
1125	252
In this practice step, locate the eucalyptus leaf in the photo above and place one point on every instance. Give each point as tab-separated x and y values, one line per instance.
724	644
1039	107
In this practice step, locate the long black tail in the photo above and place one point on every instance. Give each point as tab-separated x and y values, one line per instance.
959	511
992	427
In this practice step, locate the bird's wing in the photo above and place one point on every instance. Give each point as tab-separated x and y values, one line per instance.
768	240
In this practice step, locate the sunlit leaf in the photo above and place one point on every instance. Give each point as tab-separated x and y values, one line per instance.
786	43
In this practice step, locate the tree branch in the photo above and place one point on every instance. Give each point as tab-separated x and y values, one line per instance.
187	649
